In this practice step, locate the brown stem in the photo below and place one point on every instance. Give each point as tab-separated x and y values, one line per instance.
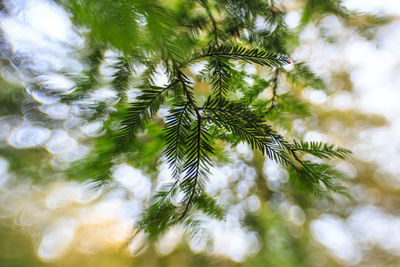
274	88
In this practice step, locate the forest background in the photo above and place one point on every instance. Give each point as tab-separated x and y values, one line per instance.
57	94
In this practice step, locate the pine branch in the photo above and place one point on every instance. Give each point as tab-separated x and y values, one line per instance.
185	82
248	55
302	75
250	94
121	77
196	156
218	72
274	87
319	179
175	134
157	218
196	164
204	3
256	56
251	129
286	108
220	80
208	205
166	193
142	110
321	150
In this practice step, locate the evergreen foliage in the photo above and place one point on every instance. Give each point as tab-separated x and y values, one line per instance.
235	105
190	129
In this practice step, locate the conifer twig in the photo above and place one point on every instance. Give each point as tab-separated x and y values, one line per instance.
199	118
274	88
214	23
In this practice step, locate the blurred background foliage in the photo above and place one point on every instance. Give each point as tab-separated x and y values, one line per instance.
70	195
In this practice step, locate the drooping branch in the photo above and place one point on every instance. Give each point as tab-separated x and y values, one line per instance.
198	148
